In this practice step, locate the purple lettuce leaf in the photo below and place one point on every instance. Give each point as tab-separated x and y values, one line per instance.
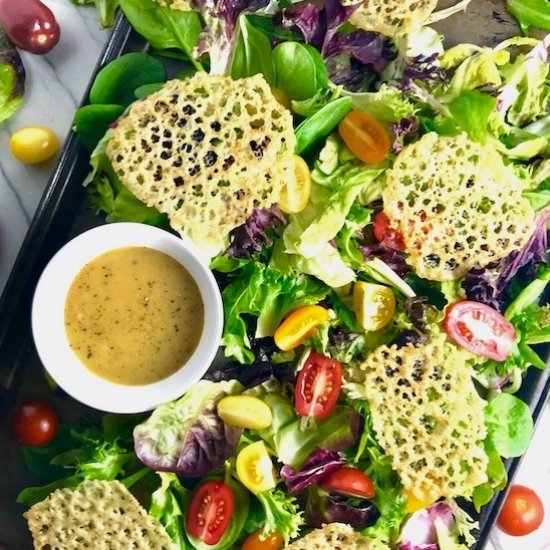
403	132
394	259
488	285
256	232
307	18
318	465
419	532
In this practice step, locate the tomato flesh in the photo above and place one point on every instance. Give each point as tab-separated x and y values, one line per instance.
480	329
210	511
34	423
387	235
299	325
522	512
255	469
318	386
349	482
257	541
366	138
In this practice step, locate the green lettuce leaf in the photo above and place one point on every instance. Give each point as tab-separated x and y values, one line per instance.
282	514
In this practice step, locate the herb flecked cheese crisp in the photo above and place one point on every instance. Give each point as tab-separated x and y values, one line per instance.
206	151
456	205
96	515
391	17
428	417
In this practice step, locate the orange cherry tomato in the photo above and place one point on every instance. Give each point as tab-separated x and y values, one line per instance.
299	325
366	138
273	541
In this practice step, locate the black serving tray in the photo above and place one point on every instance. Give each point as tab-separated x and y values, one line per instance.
63	214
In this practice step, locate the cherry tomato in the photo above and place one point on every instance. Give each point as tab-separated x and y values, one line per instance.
34	423
273	541
33	144
299	325
480	329
387	235
366	138
318	386
373	305
350	482
210	511
255	469
29	24
522	512
295	192
415	503
245	411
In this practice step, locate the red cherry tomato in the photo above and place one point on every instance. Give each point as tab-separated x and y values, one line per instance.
387	235
29	24
480	329
349	482
273	541
210	512
318	386
366	138
34	423
522	512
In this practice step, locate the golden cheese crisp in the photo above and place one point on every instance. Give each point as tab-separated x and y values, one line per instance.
178	5
428	417
391	17
335	536
456	205
206	151
98	515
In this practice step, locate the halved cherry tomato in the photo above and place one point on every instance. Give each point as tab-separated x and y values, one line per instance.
349	482
387	235
210	511
245	411
373	305
273	541
299	325
295	192
366	138
255	469
522	513
480	329
34	423
318	386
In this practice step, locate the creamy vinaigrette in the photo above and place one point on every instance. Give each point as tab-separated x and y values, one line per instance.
134	315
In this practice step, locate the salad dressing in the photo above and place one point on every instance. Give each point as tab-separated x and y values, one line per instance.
134	315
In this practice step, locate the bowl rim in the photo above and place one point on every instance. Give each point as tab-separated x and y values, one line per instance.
48	318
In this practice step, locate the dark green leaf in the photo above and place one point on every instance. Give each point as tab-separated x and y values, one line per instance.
91	122
147	89
117	81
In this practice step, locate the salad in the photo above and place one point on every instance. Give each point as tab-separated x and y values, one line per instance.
375	209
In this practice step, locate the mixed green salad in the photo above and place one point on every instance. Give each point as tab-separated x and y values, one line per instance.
379	316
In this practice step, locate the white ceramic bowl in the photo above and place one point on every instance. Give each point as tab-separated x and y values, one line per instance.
48	319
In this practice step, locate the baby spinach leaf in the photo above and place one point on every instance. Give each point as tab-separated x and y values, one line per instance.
147	89
253	53
300	70
509	425
91	122
165	28
117	81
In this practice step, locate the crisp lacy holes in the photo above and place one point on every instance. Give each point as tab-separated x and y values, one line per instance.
391	17
457	206
206	150
96	514
428	417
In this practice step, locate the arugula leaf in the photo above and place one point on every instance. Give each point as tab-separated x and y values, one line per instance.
281	514
164	28
509	425
116	82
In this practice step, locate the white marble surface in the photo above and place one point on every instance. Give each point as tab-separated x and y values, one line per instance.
54	87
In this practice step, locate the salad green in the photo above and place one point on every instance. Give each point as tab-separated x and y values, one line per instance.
277	265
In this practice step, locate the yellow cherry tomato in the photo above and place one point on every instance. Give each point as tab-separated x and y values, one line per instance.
281	97
33	144
257	541
299	325
295	192
374	305
245	411
414	503
255	469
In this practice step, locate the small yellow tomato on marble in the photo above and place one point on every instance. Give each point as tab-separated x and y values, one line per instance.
33	144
